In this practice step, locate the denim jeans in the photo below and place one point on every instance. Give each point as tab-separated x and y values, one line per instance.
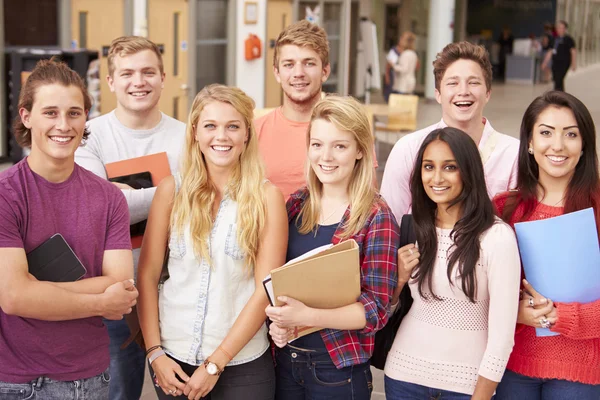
312	375
94	388
127	365
516	387
400	390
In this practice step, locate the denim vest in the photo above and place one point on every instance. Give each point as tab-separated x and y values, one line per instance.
198	304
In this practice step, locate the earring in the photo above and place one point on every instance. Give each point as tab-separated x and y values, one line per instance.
581	153
530	150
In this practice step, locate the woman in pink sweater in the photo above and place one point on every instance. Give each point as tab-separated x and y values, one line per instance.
558	174
456	339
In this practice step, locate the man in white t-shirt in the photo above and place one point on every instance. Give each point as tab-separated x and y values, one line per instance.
135	128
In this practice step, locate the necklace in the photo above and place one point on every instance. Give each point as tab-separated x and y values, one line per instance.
558	202
323	220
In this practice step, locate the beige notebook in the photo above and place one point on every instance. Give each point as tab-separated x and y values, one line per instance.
327	279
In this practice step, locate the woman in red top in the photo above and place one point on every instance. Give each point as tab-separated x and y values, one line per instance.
558	174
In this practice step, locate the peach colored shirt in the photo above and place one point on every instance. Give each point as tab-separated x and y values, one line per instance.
282	144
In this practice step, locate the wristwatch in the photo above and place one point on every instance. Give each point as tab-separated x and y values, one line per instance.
212	368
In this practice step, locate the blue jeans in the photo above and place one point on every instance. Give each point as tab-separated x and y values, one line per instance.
516	387
94	388
400	390
127	365
303	375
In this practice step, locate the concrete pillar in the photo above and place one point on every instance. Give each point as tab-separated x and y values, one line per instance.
64	24
440	33
128	17
460	21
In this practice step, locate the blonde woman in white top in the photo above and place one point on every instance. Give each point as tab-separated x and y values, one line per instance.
455	341
225	228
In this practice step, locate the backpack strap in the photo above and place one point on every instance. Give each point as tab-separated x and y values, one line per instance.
407	231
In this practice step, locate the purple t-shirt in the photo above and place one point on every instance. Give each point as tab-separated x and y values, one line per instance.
92	215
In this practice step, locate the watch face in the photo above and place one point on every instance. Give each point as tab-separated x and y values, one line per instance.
212	369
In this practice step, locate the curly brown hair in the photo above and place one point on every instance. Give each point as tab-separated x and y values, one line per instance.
47	72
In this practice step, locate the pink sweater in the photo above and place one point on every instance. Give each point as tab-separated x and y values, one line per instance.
448	344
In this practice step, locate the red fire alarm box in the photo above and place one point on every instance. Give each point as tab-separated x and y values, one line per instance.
253	47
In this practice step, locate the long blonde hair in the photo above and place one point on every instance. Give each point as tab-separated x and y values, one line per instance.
193	202
348	115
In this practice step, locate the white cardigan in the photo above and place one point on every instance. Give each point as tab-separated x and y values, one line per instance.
404	69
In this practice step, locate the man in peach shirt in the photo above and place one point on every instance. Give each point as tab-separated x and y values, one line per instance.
463	77
301	66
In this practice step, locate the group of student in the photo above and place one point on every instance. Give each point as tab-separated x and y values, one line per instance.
221	223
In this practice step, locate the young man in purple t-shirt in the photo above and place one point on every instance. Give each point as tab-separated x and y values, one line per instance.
52	339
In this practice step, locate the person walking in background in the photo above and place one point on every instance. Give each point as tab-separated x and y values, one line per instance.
406	65
505	41
225	229
558	174
339	203
547	41
455	341
388	79
563	56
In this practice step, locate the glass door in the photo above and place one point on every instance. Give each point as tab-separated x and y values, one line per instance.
211	42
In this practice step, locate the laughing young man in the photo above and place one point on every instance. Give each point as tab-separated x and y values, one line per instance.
135	128
463	78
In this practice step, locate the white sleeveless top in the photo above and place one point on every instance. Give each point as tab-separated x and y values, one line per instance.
199	304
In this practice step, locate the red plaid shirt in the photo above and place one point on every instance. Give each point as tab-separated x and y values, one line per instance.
378	243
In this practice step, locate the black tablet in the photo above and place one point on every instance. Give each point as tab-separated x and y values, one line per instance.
141	180
55	261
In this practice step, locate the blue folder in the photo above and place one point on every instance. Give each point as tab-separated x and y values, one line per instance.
561	258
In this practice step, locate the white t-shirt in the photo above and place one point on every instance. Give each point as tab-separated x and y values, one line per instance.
111	141
392	56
